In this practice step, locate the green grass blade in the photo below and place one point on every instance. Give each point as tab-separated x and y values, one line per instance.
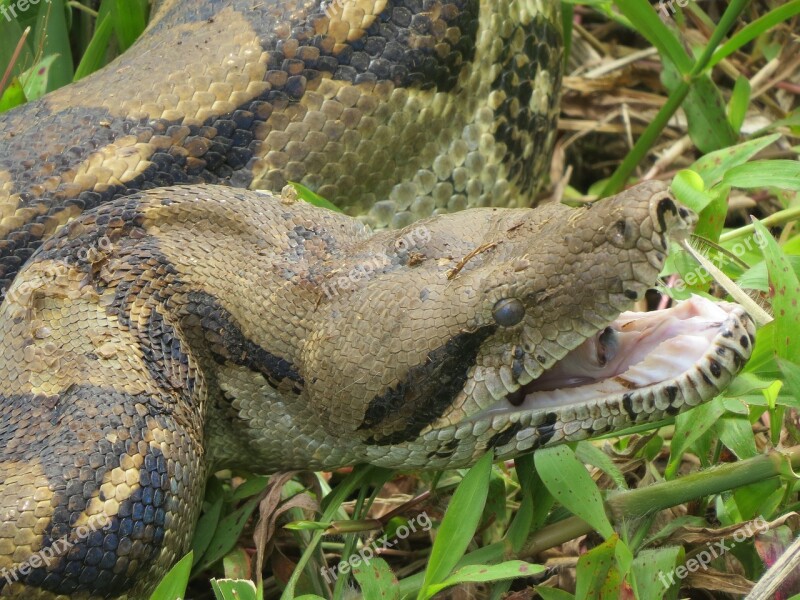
95	55
752	30
233	589
51	34
689	426
620	177
740	100
130	19
459	523
173	586
485	573
726	23
648	23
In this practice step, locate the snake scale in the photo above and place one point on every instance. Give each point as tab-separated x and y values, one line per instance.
155	327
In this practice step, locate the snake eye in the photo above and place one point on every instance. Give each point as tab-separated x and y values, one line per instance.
508	312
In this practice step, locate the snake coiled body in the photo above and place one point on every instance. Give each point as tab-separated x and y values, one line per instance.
150	332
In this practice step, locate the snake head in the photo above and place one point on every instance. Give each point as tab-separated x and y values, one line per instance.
506	330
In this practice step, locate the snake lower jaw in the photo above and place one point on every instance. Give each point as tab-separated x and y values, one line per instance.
640	368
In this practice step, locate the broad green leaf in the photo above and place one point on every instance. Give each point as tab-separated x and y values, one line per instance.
757	278
791	373
784	292
548	593
459	523
483	573
236	564
13	96
689	188
95	55
758	498
570	484
599	577
173	585
654	571
376	580
714	165
783	174
251	487
709	126
34	80
711	220
234	589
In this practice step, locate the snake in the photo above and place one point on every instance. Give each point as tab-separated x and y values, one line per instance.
171	307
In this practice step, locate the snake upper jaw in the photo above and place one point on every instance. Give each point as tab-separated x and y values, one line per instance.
641	367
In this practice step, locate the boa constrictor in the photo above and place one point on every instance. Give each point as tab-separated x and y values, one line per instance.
150	334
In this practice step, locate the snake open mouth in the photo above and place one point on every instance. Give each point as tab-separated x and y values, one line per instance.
650	361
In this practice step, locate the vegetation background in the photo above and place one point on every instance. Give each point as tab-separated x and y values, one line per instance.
704	94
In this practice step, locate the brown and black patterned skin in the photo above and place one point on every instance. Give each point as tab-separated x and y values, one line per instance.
150	334
185	329
392	109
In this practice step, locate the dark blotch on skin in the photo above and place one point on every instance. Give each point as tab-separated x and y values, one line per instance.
227	343
744	341
425	393
663	206
672	393
627	404
716	368
501	438
516	398
546	430
445	451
